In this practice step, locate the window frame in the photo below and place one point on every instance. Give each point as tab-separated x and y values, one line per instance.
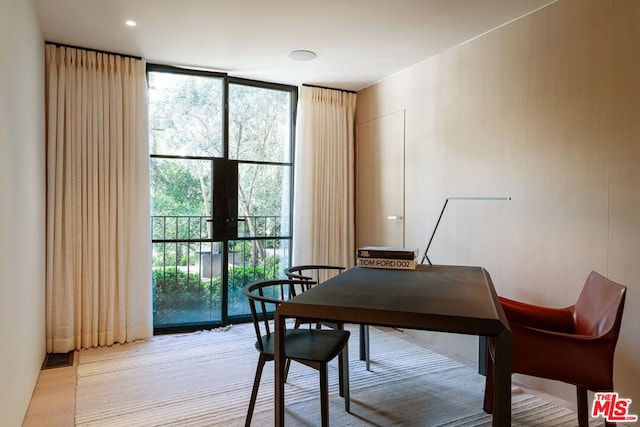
226	82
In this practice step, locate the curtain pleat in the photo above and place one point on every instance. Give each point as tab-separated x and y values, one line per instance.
98	246
324	230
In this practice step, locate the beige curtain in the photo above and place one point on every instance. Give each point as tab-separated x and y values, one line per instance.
98	245
324	179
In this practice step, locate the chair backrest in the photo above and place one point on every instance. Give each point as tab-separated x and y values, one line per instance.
264	298
599	308
313	274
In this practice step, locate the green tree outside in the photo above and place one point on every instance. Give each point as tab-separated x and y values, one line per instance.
186	119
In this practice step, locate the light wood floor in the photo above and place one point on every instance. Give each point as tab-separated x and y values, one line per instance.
54	398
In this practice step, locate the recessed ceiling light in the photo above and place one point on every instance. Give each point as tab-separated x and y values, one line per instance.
302	55
131	23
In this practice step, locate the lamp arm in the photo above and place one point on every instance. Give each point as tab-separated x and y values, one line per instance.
434	233
425	256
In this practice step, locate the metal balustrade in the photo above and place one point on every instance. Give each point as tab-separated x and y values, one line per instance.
195	228
188	266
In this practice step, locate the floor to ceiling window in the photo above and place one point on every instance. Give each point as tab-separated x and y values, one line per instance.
221	192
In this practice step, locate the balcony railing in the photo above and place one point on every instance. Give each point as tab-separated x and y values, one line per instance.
189	228
188	266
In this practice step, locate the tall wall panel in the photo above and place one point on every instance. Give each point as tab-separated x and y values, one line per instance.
545	110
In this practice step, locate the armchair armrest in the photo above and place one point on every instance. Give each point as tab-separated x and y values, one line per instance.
539	317
576	359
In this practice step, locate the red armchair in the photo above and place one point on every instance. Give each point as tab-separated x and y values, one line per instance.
573	344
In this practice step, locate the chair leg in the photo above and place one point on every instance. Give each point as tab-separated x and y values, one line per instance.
343	368
324	394
583	410
340	376
343	377
488	384
287	364
364	346
254	392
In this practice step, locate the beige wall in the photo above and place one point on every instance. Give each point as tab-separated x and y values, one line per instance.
544	110
22	211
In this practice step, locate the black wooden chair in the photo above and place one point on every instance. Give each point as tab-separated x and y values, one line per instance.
315	274
311	347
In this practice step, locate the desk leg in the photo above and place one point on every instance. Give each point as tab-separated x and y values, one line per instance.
279	362
502	380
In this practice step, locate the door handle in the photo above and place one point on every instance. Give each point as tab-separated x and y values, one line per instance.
394	217
236	219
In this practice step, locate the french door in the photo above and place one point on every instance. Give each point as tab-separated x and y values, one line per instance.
221	188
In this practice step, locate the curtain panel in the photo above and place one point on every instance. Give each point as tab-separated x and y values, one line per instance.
98	243
324	230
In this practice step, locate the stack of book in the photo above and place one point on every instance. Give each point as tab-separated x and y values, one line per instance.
387	257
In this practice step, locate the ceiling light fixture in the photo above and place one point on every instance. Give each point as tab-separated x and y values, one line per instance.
131	23
302	55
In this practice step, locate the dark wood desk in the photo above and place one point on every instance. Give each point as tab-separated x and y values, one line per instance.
438	298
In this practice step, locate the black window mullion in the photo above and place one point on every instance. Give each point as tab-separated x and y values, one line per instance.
224	242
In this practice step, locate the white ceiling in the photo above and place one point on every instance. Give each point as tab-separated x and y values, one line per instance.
358	42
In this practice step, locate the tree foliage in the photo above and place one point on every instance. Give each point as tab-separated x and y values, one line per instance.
186	127
186	119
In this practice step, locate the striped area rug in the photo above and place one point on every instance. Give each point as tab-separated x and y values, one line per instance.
205	379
